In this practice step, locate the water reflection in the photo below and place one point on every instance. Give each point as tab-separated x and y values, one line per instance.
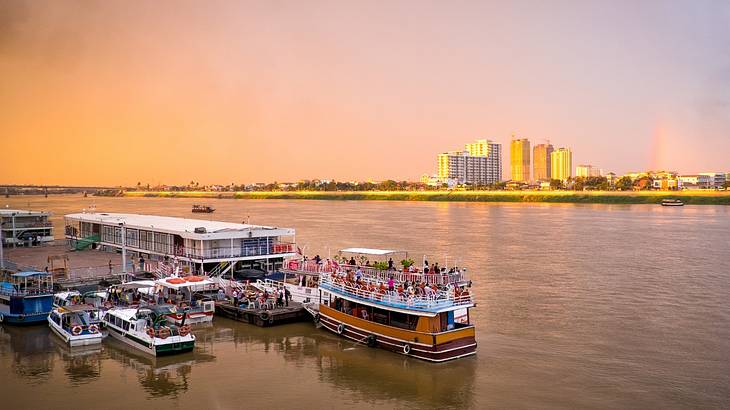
82	363
158	376
29	348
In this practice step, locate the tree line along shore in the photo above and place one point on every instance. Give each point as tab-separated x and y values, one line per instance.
589	197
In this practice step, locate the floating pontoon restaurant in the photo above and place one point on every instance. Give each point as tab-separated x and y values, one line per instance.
203	246
25	227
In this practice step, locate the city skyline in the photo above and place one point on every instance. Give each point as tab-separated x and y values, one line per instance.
106	93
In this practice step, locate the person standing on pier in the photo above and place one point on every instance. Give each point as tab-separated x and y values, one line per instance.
287	295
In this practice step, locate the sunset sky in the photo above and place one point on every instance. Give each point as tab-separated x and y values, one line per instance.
116	92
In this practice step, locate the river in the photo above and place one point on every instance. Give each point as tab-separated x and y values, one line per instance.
579	306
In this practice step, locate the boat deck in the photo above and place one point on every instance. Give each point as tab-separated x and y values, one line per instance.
295	312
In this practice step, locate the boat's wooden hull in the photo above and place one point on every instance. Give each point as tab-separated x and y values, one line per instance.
435	347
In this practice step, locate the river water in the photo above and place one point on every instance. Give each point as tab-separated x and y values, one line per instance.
579	306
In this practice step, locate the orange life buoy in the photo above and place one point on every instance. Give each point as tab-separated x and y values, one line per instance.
150	332
184	330
76	330
164	332
93	328
175	281
194	278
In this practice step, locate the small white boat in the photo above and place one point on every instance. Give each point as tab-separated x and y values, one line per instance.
148	330
76	325
672	202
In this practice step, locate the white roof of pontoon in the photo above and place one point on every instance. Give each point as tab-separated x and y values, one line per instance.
368	251
184	227
21	212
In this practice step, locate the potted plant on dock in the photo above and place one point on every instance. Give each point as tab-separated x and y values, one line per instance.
407	263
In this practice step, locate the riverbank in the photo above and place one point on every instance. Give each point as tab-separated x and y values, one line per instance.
590	197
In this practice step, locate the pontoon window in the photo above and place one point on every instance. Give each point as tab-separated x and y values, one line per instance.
125	325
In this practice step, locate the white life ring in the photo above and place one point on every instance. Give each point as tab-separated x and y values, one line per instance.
406	348
76	330
93	329
340	329
1	317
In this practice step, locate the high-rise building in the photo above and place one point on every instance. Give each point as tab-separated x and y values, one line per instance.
520	159
478	148
541	162
561	164
466	167
588	171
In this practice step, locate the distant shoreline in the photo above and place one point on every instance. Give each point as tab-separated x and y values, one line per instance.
587	197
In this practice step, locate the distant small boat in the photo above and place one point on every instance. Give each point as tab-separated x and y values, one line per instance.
205	209
672	202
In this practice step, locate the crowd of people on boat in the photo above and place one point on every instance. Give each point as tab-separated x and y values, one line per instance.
332	265
259	299
408	291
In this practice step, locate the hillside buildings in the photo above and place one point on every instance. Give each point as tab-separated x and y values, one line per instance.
541	162
520	160
561	164
480	164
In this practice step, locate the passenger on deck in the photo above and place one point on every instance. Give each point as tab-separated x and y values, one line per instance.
390	264
280	298
352	261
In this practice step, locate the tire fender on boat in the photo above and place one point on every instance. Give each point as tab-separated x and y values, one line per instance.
316	318
406	348
341	328
264	316
372	340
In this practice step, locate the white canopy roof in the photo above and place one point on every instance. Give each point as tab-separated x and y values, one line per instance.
136	284
368	251
204	282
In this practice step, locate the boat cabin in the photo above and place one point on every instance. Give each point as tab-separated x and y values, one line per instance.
29	228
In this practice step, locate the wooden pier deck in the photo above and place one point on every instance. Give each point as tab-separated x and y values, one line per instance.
295	312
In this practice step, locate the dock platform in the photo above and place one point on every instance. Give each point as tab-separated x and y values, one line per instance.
295	312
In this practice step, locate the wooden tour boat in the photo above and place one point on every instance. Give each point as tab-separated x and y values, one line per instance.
431	323
204	209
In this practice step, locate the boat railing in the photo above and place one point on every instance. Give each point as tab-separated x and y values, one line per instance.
26	292
236	251
377	274
436	299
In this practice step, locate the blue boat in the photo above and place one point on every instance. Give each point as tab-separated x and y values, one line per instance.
26	298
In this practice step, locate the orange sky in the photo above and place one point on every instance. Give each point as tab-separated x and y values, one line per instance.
117	92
